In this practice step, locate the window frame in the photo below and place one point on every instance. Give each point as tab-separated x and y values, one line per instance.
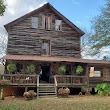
34	22
47	22
59	25
49	47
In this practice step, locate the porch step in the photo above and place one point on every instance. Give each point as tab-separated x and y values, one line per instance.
48	96
47	90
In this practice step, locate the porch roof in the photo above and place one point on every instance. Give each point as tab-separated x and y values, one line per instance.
53	59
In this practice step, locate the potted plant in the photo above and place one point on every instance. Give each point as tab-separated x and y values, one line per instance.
62	69
29	95
11	68
63	92
5	82
31	69
79	70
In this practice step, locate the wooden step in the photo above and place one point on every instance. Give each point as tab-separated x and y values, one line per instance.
48	96
46	93
47	90
43	84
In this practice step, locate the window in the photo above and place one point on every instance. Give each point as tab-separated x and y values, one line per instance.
46	22
35	22
95	72
58	25
45	47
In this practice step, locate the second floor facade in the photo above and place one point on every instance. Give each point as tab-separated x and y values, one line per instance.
44	32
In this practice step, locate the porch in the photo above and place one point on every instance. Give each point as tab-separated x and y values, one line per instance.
43	89
50	77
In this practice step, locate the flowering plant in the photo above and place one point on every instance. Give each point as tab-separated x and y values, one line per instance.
30	94
64	91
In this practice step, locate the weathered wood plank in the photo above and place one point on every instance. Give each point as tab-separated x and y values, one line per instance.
25	40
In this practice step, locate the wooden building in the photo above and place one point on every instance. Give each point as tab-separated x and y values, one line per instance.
47	39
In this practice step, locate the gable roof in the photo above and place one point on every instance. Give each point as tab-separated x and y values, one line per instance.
54	10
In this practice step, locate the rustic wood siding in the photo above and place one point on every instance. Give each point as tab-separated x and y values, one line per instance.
106	73
24	40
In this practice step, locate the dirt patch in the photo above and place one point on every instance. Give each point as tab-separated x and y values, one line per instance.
11	99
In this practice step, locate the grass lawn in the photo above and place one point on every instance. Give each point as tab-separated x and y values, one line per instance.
73	103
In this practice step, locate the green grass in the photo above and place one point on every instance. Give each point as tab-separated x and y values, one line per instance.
74	103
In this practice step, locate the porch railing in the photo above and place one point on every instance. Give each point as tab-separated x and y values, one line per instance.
20	79
71	80
95	80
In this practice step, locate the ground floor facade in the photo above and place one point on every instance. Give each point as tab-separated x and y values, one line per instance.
47	79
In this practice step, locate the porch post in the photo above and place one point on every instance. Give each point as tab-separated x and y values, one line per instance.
1	93
26	89
87	75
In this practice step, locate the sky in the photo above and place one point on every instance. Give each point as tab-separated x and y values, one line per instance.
80	12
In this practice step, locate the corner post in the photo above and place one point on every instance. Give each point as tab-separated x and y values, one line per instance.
1	94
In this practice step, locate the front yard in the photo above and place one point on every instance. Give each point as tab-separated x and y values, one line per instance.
72	103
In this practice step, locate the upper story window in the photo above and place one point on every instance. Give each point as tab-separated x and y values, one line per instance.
47	22
58	25
35	22
45	47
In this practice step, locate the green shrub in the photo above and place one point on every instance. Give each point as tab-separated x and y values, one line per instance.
83	89
31	68
79	70
11	67
102	89
62	69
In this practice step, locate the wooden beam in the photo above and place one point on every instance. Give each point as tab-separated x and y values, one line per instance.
87	75
1	94
26	89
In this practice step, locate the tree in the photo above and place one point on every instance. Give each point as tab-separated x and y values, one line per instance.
101	29
2	7
3	42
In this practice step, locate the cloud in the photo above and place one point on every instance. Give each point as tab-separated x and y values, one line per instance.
75	2
78	22
17	8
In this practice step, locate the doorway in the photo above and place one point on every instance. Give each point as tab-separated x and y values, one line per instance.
44	77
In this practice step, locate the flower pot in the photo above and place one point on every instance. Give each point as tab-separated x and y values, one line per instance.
28	98
63	96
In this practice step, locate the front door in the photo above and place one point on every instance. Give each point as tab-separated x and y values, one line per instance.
45	74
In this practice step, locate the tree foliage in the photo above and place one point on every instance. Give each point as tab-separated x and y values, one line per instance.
2	7
101	27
